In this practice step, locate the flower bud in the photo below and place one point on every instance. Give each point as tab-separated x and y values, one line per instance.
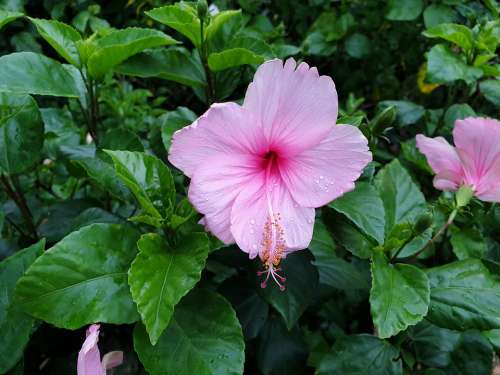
464	195
202	8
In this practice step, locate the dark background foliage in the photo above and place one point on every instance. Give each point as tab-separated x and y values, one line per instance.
397	74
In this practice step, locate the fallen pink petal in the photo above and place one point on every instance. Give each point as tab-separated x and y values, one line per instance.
474	161
259	170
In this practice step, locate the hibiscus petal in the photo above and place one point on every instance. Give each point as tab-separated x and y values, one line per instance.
325	172
251	212
89	358
489	187
225	129
214	187
296	107
478	144
444	161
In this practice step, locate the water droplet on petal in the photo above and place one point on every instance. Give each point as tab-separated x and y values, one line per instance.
252	222
252	231
321	177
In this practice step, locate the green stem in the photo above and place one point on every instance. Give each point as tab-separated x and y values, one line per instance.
210	88
16	194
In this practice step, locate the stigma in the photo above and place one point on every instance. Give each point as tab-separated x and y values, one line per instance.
273	249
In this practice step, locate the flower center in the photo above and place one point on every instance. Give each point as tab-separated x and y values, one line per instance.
273	241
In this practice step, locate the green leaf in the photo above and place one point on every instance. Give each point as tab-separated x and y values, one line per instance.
173	64
121	139
358	46
403	10
104	175
181	17
217	22
334	271
456	112
21	133
281	351
240	51
233	57
61	37
173	121
15	325
403	201
361	354
118	46
364	208
32	73
436	14
494	337
82	279
160	276
399	296
60	130
458	34
491	91
148	178
292	303
352	239
408	113
8	16
464	295
468	243
203	337
467	353
443	66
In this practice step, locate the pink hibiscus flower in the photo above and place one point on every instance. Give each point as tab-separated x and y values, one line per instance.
89	358
473	162
259	169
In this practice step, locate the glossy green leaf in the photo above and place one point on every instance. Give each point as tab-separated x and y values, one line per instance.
457	34
468	243
21	133
82	279
464	295
361	354
174	64
161	275
408	113
121	139
204	337
399	296
444	66
104	175
32	73
181	17
218	22
61	37
292	302
333	270
364	208
349	236
281	351
494	337
358	46
233	57
491	91
436	14
8	16
148	178
173	121
457	112
403	200
60	130
15	325
403	10
118	46
240	51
